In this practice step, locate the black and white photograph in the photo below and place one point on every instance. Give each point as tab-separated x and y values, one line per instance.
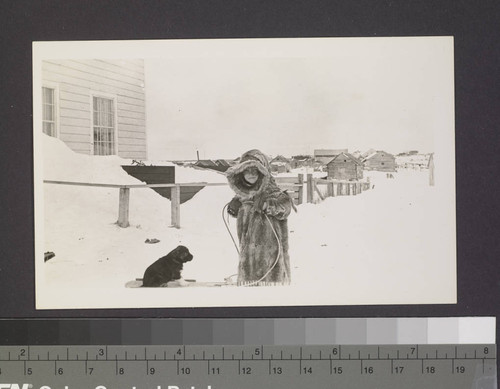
244	172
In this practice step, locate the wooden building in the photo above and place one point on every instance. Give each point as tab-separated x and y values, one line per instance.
345	167
380	161
324	156
413	161
299	161
280	164
96	107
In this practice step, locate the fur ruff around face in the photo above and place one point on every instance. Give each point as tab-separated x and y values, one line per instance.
235	177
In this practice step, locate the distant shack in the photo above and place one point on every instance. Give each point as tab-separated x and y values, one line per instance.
300	161
380	161
280	164
324	156
344	167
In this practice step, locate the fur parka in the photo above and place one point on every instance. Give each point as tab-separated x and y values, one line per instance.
257	207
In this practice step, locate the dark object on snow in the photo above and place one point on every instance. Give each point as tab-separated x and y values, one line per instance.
167	268
48	255
151	241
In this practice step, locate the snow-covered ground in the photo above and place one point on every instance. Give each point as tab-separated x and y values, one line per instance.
393	244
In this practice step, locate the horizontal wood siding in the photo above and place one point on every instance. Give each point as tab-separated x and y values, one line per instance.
340	170
121	79
383	162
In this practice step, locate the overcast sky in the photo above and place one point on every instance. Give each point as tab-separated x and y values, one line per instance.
387	94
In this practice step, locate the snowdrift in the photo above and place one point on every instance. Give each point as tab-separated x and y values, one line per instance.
393	244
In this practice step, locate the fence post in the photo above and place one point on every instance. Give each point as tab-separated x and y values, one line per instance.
318	191
330	190
431	170
339	189
309	188
348	189
175	206
300	200
123	207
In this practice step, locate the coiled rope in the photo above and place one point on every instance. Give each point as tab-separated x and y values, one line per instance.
237	249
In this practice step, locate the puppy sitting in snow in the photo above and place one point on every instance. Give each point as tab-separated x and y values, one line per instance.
167	269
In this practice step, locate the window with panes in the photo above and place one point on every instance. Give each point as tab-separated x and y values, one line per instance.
49	111
104	126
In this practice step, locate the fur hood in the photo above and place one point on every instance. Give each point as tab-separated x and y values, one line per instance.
255	159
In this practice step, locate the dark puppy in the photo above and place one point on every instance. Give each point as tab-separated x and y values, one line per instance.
167	268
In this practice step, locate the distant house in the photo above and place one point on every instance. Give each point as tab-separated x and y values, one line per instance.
407	153
380	161
323	156
356	154
299	161
413	161
280	164
345	167
96	107
366	154
280	158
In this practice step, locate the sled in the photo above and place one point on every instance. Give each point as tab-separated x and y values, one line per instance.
137	283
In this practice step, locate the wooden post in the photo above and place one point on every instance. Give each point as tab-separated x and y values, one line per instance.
330	192
175	207
348	189
309	188
431	170
339	189
123	207
355	189
318	191
300	200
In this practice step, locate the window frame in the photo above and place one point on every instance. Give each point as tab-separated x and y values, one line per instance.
108	96
55	87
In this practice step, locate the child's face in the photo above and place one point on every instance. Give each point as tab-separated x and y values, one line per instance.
251	175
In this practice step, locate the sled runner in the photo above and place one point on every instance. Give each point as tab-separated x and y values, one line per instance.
137	283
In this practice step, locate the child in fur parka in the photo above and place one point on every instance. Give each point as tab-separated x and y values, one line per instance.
260	207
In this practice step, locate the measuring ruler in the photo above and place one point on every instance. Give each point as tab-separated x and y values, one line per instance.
241	367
